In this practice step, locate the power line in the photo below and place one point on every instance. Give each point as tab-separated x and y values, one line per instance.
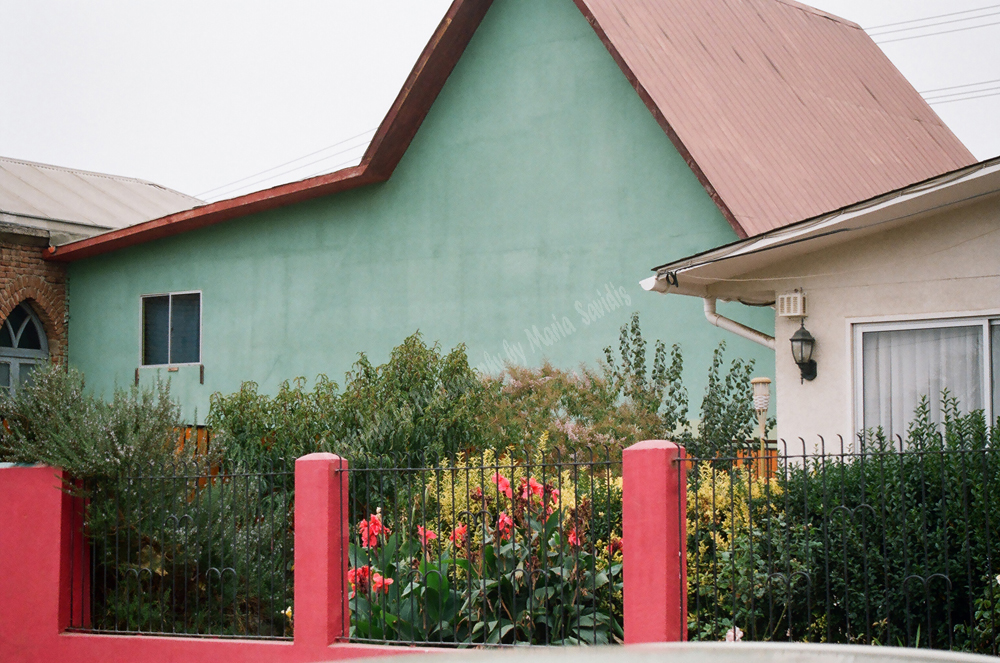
955	87
933	25
936	97
950	101
941	32
330	169
930	18
281	165
231	191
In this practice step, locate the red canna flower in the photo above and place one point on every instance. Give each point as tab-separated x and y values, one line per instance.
425	535
458	536
370	530
380	583
359	578
531	486
573	539
505	525
616	545
503	484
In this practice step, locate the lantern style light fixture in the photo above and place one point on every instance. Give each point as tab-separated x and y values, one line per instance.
802	351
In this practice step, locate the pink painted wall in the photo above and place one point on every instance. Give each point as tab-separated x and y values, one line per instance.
37	521
654	523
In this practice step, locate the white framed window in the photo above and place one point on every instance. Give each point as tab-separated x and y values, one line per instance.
171	329
23	346
898	363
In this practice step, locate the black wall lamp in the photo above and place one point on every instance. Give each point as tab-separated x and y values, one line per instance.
802	351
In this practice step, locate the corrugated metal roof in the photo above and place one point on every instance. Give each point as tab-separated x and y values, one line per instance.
83	201
788	112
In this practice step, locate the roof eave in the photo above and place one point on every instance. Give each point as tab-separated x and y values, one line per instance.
386	149
666	280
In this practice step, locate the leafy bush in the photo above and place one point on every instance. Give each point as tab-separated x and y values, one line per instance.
170	553
888	545
423	406
56	421
187	549
417	408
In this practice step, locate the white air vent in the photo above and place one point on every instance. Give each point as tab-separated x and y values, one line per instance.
792	305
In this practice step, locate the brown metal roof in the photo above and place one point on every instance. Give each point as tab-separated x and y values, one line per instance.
782	111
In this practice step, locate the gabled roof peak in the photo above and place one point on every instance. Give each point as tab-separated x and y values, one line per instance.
820	12
782	111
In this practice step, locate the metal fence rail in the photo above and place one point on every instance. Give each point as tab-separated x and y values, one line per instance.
187	550
492	550
883	544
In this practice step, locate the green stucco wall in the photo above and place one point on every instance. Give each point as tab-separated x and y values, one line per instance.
537	180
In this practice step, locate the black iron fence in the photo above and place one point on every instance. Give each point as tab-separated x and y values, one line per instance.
491	550
191	549
873	542
866	542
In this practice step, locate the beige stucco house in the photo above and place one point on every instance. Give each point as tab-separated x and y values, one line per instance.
901	294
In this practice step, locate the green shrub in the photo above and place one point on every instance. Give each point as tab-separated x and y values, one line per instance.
174	553
54	420
885	546
423	406
417	408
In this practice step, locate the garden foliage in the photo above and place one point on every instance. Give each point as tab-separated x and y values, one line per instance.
187	549
424	406
492	550
419	407
893	542
175	547
56	421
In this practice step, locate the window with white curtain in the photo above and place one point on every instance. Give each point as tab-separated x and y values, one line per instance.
899	363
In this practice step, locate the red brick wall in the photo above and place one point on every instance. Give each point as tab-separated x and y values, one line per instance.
24	275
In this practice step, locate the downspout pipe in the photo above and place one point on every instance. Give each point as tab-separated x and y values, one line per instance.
723	322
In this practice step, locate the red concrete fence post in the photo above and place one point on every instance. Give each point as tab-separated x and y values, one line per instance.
654	524
321	614
34	560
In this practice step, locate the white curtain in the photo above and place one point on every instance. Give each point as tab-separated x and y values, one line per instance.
902	366
995	330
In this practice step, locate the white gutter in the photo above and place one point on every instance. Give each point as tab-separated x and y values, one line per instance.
723	322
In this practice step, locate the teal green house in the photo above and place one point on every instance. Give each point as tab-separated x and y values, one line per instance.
542	156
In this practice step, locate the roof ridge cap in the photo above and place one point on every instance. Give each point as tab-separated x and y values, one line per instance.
820	13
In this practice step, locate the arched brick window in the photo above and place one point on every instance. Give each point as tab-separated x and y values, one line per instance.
23	346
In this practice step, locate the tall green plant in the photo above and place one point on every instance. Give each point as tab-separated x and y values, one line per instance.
892	545
658	393
727	414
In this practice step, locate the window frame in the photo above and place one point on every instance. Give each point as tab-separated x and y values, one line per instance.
17	357
170	317
987	320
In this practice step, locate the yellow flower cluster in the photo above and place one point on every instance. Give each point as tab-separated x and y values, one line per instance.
720	502
471	492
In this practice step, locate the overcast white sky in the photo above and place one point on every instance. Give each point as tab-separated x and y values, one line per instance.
198	94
